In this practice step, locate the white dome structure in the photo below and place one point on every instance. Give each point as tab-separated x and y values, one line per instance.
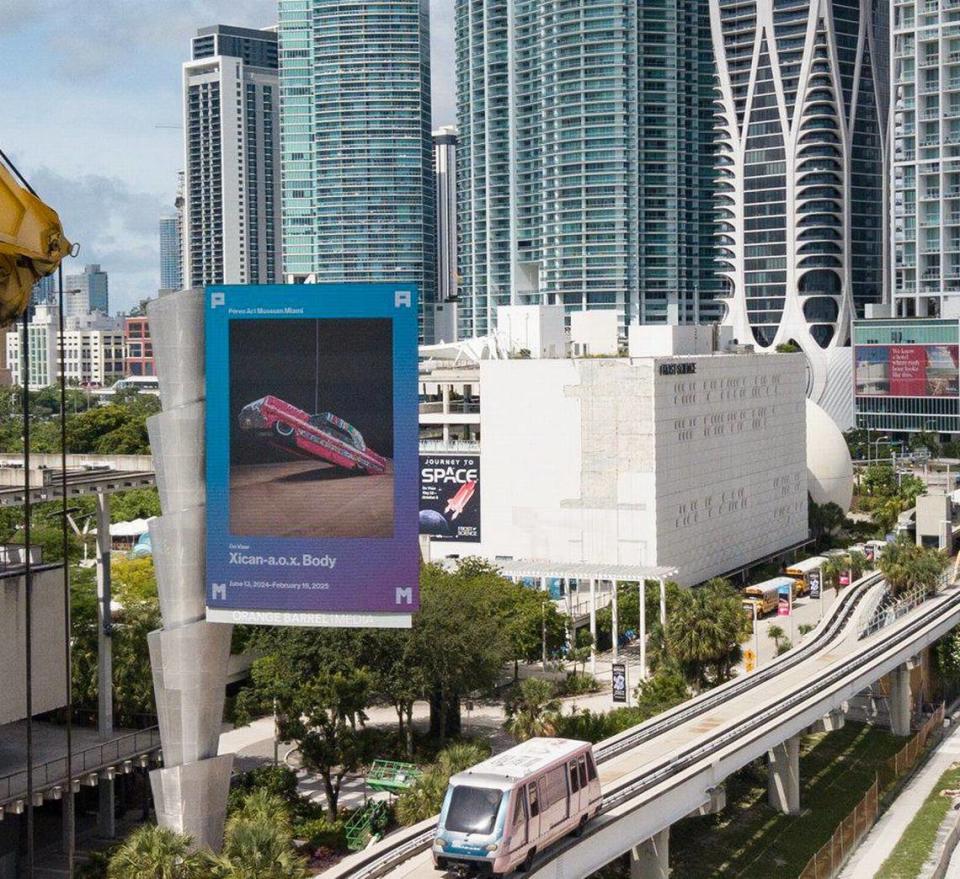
829	468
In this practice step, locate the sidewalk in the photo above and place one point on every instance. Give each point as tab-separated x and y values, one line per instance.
886	833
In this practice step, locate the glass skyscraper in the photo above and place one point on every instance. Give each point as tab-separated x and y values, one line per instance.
585	158
926	157
358	198
803	121
171	263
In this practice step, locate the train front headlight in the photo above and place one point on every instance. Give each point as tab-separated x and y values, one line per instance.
493	846
440	843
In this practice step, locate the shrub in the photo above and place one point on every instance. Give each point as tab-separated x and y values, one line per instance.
578	684
324	833
281	781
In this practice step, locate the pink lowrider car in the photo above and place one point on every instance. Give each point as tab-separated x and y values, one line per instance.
325	435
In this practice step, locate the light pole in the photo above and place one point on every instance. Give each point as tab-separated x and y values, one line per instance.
756	635
876	443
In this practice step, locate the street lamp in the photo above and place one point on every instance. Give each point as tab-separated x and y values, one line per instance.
876	443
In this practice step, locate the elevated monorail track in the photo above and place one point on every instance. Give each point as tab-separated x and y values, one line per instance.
406	853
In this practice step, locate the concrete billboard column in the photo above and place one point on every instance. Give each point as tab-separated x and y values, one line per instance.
651	859
188	655
900	700
783	776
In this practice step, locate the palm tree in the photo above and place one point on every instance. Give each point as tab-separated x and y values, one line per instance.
856	564
534	711
258	849
152	852
906	565
780	639
424	798
704	632
831	571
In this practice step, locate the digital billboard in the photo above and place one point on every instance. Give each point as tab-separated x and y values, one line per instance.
907	370
450	497
311	442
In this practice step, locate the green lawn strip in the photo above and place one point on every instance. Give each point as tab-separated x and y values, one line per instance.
750	840
916	843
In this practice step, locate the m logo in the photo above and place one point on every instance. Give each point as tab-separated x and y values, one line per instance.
402	299
219	592
404	596
218	298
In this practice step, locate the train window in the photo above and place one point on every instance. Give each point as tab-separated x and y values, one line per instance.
574	777
591	767
583	771
519	814
554	787
533	799
473	809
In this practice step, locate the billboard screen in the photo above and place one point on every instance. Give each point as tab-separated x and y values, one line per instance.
450	497
311	441
907	370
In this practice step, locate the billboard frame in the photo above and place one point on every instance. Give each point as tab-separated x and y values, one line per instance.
262	578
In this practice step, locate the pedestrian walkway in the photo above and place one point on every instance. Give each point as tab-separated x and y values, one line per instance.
886	833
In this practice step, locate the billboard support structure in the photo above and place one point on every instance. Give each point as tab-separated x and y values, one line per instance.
188	655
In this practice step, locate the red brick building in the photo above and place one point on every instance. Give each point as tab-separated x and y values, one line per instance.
137	347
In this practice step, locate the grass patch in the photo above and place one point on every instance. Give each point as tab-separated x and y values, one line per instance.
916	843
750	840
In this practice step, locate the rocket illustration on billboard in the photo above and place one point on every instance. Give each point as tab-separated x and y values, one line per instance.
456	504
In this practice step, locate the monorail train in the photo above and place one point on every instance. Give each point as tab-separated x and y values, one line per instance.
325	435
499	814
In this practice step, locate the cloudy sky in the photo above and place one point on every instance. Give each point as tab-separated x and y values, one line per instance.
85	85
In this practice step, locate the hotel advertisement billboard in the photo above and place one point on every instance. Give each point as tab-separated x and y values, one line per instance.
450	497
907	371
311	442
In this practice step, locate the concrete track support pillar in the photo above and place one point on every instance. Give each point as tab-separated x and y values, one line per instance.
106	814
651	859
900	700
593	626
783	778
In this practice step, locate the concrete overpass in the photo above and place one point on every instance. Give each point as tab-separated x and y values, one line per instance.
674	765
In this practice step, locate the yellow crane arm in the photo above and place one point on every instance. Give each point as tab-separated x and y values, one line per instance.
32	245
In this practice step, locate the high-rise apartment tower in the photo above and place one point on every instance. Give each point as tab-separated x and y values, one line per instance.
232	171
585	158
358	196
803	118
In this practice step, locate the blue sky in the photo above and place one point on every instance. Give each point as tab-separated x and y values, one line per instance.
86	82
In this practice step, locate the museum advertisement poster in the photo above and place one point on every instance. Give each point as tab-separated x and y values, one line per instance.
907	370
450	497
311	442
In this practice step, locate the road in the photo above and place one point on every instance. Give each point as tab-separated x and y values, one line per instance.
309	499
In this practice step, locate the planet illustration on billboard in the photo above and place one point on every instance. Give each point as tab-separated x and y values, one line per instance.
433	523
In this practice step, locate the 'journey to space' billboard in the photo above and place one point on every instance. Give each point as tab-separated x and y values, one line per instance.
907	371
312	454
450	497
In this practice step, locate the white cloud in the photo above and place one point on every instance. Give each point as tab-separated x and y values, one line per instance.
110	69
114	224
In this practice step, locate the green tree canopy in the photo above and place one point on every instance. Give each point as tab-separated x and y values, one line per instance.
906	565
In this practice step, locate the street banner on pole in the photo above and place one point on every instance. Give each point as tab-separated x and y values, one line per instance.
783	601
619	682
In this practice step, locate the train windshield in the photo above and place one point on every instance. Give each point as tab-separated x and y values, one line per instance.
473	809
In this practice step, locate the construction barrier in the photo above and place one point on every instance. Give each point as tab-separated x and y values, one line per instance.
826	863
